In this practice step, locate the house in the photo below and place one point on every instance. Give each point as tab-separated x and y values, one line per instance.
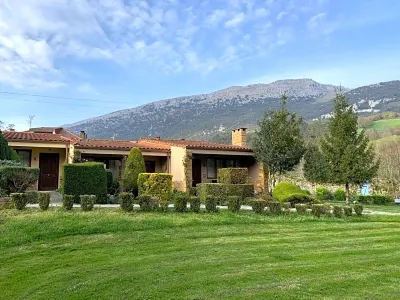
189	161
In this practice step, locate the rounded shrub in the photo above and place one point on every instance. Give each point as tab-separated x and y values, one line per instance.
258	205
19	200
44	200
286	207
317	210
68	201
211	204
337	211
147	203
275	207
348	211
358	209
195	204
87	202
323	194
31	197
340	195
180	201
289	192
301	208
328	209
234	203
126	201
134	166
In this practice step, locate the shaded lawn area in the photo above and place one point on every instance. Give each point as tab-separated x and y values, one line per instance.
108	254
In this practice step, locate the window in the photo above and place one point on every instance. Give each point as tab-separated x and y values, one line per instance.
150	166
25	156
214	164
211	168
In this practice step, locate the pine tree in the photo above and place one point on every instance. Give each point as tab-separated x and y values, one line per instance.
278	142
134	166
4	151
349	155
315	168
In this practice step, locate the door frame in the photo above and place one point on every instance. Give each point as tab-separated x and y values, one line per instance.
199	170
57	156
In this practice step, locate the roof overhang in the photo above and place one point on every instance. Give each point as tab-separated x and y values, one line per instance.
37	144
119	152
222	152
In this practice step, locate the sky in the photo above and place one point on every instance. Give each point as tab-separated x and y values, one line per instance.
85	58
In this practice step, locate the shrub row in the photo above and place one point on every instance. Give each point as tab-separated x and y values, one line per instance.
233	175
20	200
243	191
375	199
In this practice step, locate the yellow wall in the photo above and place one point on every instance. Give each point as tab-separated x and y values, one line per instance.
36	154
177	168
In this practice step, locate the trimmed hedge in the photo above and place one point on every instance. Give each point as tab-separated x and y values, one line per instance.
211	204
155	184
87	202
275	207
68	201
224	190
88	178
289	192
358	209
126	201
180	201
32	197
286	207
17	179
340	195
44	200
234	203
301	208
337	211
147	203
195	204
258	205
233	175
317	210
348	211
19	200
375	199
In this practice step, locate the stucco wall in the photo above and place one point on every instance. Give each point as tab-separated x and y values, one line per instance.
177	168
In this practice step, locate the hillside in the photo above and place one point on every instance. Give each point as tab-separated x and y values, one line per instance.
212	116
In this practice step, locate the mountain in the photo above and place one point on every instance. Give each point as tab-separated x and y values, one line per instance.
212	116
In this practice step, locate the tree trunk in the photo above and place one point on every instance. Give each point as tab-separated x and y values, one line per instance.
347	193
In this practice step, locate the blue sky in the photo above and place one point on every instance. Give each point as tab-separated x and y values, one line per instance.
125	53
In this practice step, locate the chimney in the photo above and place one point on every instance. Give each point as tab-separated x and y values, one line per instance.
83	135
239	137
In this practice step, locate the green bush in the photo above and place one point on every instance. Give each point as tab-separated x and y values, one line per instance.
147	203
328	209
10	163
155	184
211	204
180	201
110	178
348	211
68	201
275	207
286	207
233	175
375	199
44	200
224	190
323	194
89	178
195	204
126	201
258	205
289	192
358	209
192	191
87	202
317	210
19	200
301	208
13	155
32	197
17	179
340	195
114	188
337	211
134	166
234	203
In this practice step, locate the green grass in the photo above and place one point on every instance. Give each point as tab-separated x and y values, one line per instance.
391	208
108	254
381	125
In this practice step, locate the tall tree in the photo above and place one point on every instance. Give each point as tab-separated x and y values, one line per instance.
315	167
278	142
134	166
4	150
349	154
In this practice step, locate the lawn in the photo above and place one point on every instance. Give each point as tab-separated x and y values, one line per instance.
108	254
385	124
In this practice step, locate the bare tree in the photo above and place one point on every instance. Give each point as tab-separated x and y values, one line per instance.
10	127
389	171
30	120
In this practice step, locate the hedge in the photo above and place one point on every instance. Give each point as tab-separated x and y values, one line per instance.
180	201
323	194
87	202
88	178
375	199
147	203
155	184
258	205
126	201
134	166
289	192
194	204
44	200
233	175
224	190
16	179
234	203
110	178
68	201
19	200
211	204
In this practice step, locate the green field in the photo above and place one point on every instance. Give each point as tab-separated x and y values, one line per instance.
385	124
108	254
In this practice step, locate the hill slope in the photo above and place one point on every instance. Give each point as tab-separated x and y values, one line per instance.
212	116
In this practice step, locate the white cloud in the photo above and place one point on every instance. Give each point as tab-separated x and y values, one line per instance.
281	15
216	17
235	21
315	20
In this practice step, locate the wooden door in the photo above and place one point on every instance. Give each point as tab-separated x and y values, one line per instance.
48	165
196	172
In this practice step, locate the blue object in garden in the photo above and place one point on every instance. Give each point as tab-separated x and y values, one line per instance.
365	189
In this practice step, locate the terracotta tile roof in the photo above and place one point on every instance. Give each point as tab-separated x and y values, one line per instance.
194	144
120	145
27	136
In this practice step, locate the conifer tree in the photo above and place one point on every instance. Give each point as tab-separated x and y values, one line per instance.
4	150
348	153
134	166
315	168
